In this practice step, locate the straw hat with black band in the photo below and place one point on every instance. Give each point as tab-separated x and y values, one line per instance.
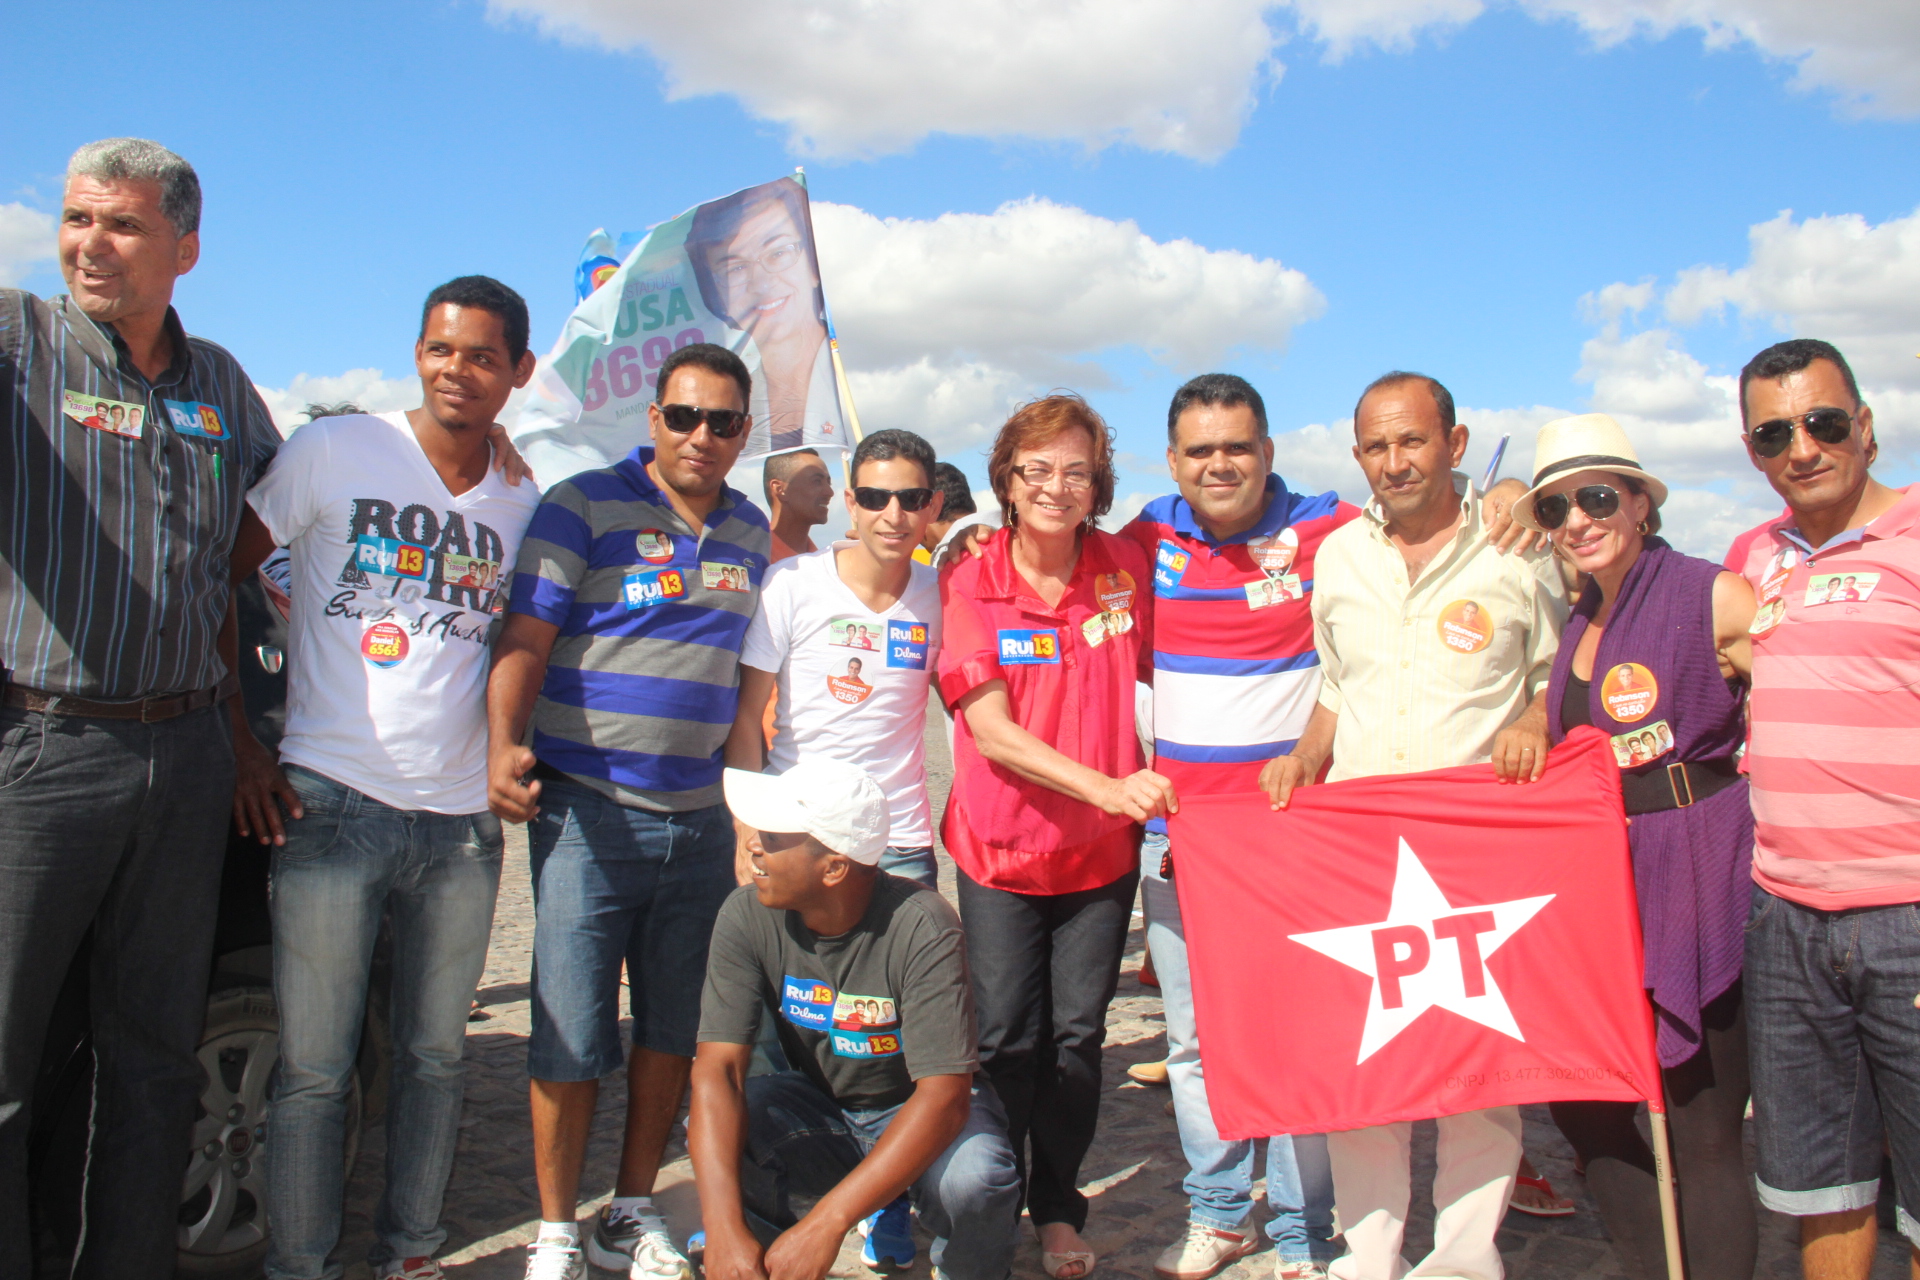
1588	442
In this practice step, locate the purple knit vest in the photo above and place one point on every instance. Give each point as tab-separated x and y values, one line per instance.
1691	867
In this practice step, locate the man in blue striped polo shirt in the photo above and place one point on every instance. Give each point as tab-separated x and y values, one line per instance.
621	650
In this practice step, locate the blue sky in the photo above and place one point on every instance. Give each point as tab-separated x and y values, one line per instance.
1451	192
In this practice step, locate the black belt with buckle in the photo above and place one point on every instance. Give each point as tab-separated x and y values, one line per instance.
146	710
1677	786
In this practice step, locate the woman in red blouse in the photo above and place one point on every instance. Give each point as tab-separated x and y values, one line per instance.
1046	631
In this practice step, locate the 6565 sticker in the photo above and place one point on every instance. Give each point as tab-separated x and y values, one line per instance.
384	645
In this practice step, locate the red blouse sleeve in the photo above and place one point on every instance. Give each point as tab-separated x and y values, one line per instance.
969	648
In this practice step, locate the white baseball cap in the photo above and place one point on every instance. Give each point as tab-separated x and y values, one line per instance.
836	803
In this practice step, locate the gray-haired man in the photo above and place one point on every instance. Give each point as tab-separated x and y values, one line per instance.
116	760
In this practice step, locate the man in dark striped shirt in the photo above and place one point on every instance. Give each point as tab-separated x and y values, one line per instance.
126	451
631	598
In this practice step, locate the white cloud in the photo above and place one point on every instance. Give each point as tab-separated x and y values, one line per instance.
947	323
1841	278
864	77
370	389
853	78
27	239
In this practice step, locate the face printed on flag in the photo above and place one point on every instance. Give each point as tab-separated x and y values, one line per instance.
740	272
1417	945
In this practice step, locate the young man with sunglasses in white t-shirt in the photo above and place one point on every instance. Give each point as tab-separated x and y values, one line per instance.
862	599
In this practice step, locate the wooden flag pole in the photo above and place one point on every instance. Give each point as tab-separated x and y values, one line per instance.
1669	1207
833	346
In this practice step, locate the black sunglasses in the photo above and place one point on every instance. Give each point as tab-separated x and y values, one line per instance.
1828	426
724	423
1598	500
871	499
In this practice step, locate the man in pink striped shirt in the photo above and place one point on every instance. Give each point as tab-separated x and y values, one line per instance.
1833	945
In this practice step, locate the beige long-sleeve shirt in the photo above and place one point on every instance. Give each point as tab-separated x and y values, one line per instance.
1424	674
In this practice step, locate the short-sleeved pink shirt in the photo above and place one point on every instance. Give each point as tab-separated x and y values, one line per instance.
1834	739
1070	671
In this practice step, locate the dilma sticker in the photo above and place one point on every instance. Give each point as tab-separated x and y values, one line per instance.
1841	588
1629	692
1466	627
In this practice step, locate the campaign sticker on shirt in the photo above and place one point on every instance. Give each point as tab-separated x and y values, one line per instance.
390	557
1102	627
1267	592
192	418
653	546
1114	591
650	587
1629	692
1768	617
1274	553
724	577
469	571
1169	562
1465	627
865	1027
1029	648
1841	588
907	645
384	645
852	633
1642	746
806	1003
1774	587
118	416
849	687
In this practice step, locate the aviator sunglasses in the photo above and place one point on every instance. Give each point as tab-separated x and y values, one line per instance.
1828	426
1598	500
724	423
871	499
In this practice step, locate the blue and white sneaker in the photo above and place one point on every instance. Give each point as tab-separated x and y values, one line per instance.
889	1238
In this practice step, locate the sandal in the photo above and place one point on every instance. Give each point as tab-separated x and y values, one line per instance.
1545	1188
1056	1264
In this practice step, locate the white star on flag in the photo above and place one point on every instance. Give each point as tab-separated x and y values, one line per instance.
1427	953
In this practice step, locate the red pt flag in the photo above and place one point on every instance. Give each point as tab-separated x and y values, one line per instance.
1419	945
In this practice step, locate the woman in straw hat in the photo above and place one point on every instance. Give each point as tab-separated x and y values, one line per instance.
1655	656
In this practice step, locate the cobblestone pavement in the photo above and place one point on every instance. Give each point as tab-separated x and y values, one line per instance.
1133	1172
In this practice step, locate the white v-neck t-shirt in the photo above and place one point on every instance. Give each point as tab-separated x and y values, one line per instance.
393	589
852	682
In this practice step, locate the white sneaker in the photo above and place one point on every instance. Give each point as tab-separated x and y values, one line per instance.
654	1257
1203	1251
555	1258
412	1269
1299	1271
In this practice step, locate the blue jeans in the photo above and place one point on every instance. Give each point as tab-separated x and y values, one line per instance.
1219	1181
349	861
913	864
1834	1048
612	883
799	1142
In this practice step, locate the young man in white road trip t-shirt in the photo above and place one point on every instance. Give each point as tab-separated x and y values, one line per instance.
851	635
399	531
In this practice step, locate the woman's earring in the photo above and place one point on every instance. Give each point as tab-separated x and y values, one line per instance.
1641	528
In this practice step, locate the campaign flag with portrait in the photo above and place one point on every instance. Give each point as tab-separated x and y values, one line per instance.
739	271
1417	945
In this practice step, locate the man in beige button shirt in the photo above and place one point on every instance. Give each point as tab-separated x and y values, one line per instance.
1435	646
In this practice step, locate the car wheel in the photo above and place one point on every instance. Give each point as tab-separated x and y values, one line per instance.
223	1211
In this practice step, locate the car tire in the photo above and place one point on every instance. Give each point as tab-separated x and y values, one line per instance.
223	1213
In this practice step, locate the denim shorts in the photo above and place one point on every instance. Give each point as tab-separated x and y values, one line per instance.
1835	1044
611	883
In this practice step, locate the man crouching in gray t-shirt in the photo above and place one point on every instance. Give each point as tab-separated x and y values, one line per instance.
867	976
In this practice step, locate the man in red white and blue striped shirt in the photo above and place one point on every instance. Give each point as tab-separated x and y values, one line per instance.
1235	679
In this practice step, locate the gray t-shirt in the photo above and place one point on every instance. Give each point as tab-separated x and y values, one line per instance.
863	1014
